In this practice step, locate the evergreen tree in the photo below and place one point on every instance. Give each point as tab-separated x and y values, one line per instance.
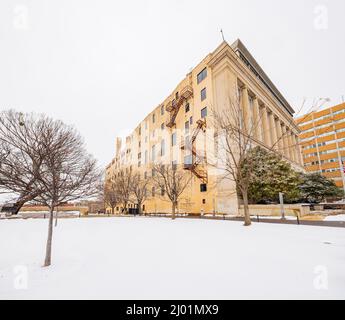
272	175
315	188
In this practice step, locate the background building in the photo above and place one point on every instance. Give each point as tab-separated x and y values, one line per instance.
323	142
185	118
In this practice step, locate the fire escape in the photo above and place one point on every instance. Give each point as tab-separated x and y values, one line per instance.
174	106
194	162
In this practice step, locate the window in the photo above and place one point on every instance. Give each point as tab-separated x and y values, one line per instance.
153	118
173	139
186	126
146	157
153	153
203	187
139	155
162	192
162	126
153	173
203	94
191	120
187	108
162	110
188	161
163	148
145	175
153	191
202	75
203	201
204	113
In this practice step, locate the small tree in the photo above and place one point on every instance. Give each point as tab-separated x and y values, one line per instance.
235	140
124	181
139	190
315	188
68	173
111	194
172	180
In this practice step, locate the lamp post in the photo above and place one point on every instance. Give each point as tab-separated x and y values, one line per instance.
281	201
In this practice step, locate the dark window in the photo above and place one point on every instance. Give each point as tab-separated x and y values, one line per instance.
163	148
153	153
203	94
202	75
188	160
191	120
145	175
139	155
162	110
186	126
162	126
203	187
153	118
204	113
162	192
203	201
153	191
187	107
173	139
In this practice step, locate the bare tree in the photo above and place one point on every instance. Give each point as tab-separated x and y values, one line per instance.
68	172
111	193
21	155
172	180
235	140
124	182
139	190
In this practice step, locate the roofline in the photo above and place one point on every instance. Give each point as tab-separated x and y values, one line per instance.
238	46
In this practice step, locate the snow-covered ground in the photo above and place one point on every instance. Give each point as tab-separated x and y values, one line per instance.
339	217
156	258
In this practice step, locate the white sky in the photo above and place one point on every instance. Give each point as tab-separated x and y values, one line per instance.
103	65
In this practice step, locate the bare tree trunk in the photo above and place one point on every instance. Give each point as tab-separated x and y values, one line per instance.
47	261
174	205
139	206
247	221
56	217
112	210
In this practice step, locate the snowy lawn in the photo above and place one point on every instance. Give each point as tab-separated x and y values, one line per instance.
138	258
339	217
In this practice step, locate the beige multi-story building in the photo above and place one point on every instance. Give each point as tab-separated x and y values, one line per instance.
184	118
323	142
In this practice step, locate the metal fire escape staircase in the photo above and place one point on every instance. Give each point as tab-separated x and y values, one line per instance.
174	106
197	163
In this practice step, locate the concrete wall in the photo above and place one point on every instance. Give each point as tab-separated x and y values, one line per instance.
274	210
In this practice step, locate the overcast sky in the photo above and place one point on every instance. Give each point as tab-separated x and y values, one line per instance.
103	65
